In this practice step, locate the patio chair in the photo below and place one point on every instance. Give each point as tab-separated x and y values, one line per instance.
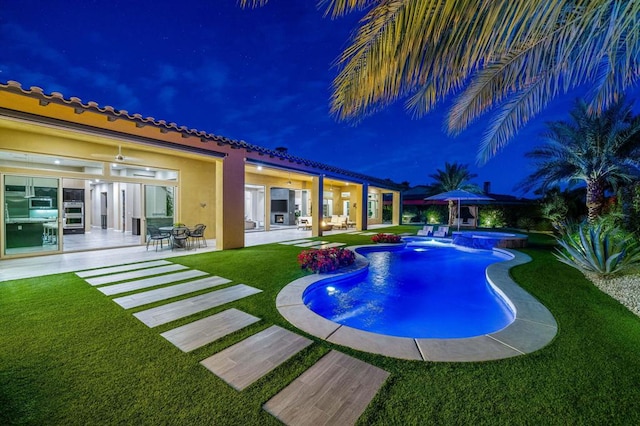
180	235
197	234
155	234
304	222
442	231
426	231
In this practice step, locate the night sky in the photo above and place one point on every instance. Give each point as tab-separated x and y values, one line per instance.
260	75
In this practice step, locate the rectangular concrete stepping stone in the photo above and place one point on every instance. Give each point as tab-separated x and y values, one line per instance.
121	268
247	361
312	243
294	242
324	246
199	333
368	233
183	308
139	299
110	290
130	275
334	391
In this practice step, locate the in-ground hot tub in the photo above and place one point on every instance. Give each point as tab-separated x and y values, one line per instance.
488	240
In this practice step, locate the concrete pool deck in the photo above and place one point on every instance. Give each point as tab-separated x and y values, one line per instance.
533	328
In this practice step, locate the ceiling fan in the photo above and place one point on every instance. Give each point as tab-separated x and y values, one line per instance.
119	157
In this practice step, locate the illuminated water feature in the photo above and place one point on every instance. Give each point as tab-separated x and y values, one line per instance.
417	291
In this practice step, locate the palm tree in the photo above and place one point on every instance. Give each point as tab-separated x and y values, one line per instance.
454	176
601	150
502	56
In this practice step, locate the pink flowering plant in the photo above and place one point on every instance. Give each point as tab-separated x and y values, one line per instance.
326	260
386	238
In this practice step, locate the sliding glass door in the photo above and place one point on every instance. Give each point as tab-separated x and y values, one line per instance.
31	214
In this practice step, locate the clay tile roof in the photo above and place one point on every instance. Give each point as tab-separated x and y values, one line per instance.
56	97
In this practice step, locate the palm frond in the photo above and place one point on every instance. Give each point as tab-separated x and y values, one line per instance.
252	3
336	8
513	114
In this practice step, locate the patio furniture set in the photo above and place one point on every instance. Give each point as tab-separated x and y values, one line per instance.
336	221
177	237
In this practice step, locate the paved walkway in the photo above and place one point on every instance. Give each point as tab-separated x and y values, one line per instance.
335	390
11	269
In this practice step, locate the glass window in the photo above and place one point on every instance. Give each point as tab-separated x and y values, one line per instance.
159	205
372	206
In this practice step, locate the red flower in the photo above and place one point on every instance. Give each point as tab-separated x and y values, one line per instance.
326	260
386	238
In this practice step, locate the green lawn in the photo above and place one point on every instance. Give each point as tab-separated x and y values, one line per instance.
69	355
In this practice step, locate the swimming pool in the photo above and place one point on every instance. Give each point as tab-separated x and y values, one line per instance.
533	327
436	291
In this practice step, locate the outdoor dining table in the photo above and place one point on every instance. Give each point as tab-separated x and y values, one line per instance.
176	243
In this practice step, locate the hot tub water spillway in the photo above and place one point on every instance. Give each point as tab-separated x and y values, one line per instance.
487	240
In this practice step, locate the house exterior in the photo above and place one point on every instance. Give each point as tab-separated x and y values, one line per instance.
69	167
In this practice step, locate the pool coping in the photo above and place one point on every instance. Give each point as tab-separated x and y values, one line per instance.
533	327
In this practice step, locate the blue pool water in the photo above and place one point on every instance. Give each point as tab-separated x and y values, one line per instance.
420	292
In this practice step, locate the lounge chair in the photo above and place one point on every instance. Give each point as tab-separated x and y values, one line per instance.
426	231
441	232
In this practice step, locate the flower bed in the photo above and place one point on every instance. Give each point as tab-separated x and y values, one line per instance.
326	260
386	238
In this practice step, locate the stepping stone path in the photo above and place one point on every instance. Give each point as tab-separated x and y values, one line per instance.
312	244
330	245
110	290
199	333
335	390
121	268
286	243
140	273
247	361
183	308
139	299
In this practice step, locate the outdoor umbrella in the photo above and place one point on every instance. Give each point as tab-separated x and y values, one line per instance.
459	195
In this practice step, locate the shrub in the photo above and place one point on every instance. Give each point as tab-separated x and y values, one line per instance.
433	215
386	238
326	260
526	223
598	249
491	218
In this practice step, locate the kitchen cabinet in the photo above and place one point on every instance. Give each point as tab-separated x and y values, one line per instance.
24	234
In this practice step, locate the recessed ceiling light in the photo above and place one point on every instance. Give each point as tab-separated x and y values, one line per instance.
259	167
57	162
147	168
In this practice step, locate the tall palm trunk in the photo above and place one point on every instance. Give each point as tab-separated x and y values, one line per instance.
595	199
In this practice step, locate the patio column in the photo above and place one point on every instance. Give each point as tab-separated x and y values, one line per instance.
362	220
317	197
396	207
230	202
